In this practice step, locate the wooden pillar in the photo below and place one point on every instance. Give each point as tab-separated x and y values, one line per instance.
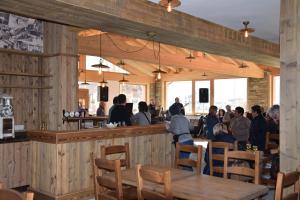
61	45
289	85
212	92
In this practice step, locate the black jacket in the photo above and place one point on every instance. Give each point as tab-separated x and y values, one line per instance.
120	114
258	131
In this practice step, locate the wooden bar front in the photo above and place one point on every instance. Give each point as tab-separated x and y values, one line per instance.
61	165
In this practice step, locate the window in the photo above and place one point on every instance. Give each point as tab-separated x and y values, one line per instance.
181	89
230	92
276	90
201	107
134	94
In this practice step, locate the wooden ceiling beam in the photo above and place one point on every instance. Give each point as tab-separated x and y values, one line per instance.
136	18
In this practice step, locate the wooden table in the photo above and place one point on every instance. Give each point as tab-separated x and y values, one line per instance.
187	185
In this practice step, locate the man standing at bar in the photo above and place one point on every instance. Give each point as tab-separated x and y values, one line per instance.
120	114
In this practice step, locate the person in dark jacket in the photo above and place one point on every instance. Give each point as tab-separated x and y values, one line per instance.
120	114
211	121
258	128
221	135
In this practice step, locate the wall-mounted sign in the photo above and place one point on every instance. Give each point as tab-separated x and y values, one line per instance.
20	33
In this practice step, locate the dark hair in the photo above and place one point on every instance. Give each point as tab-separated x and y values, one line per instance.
122	98
256	108
215	108
222	110
174	109
116	100
143	106
239	110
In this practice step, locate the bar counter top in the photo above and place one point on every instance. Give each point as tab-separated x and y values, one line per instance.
60	137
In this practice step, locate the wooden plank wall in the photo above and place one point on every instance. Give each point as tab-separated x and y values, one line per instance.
61	169
15	162
289	85
26	101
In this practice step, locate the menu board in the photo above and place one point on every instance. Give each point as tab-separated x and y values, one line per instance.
21	33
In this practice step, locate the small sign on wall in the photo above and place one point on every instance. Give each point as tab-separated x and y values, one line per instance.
20	33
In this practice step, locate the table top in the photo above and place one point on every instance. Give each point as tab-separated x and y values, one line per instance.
187	185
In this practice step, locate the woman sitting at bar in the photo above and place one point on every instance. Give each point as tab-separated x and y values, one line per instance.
143	117
221	135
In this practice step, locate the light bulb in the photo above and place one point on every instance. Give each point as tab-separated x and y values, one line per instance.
123	84
159	76
246	34
169	7
99	71
84	86
102	84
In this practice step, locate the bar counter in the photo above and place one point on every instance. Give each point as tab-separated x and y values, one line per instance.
60	161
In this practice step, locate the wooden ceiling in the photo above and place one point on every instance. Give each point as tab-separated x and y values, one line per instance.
136	18
141	58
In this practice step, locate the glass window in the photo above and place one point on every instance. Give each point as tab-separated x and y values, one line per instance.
134	94
230	92
91	60
276	90
181	89
201	107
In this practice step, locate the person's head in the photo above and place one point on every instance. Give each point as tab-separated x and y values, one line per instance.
115	100
102	104
213	110
255	110
152	102
143	106
228	108
239	111
175	110
122	99
221	112
220	128
274	113
177	100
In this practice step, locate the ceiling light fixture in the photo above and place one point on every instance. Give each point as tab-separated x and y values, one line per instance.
100	66
84	83
243	65
190	57
159	71
170	4
103	82
246	31
123	80
204	74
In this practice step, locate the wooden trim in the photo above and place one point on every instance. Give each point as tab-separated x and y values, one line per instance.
25	87
94	134
25	74
34	54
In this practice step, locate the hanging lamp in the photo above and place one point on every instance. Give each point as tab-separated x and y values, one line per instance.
103	82
170	4
123	80
159	71
246	30
190	57
100	66
84	83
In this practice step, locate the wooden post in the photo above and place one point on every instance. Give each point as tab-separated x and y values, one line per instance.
62	63
289	85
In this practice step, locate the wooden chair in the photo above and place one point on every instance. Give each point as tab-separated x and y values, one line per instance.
117	149
154	176
187	162
9	194
272	141
242	170
218	157
285	180
105	188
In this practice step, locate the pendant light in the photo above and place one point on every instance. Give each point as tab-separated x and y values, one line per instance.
123	80
190	57
159	71
85	84
103	82
100	66
246	30
170	4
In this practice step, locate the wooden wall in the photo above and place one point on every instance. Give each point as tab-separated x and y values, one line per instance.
26	99
289	85
15	162
61	169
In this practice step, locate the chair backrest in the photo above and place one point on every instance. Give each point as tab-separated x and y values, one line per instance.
285	180
102	183
242	170
117	149
187	162
272	141
218	157
9	194
162	177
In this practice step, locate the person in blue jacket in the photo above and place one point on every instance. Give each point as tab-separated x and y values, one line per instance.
221	135
211	120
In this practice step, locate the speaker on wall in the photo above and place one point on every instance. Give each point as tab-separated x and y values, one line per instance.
203	95
103	93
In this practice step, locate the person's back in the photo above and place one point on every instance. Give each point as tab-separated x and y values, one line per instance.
120	114
143	117
181	127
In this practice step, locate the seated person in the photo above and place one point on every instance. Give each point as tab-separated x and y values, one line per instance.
258	128
143	117
115	102
101	109
221	135
211	121
120	114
